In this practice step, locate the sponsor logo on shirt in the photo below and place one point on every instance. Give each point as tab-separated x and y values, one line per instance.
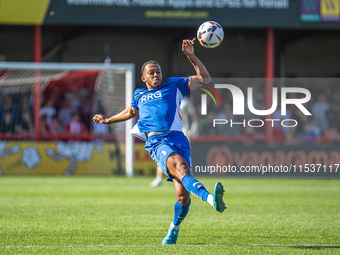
151	97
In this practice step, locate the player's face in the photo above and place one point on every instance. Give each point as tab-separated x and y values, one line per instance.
152	76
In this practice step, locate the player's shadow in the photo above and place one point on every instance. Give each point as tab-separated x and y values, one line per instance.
316	247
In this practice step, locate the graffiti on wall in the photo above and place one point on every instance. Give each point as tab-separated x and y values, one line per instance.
69	158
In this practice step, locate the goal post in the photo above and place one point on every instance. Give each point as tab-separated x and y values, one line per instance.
129	140
108	86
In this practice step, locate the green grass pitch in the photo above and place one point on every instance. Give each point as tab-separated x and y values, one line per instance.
117	215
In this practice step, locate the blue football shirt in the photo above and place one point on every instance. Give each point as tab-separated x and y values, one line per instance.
159	108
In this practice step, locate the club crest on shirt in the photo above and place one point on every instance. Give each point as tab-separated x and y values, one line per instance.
151	97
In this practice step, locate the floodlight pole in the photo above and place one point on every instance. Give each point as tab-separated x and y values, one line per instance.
36	91
269	67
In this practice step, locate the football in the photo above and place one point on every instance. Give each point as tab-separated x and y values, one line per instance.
210	34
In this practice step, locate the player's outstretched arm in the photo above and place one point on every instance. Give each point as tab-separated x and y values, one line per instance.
202	74
124	115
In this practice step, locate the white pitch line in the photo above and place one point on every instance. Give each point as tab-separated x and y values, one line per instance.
158	245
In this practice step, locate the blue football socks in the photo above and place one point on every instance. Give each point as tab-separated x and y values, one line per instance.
180	212
195	187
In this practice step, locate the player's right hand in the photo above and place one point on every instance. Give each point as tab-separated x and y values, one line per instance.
188	46
98	118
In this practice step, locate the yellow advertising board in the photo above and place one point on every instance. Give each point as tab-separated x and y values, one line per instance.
23	12
69	158
330	8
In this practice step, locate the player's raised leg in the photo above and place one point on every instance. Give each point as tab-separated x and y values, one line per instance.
181	210
178	167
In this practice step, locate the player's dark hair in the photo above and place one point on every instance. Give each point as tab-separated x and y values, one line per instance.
148	62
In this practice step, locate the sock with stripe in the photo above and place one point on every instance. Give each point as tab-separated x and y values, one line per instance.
195	187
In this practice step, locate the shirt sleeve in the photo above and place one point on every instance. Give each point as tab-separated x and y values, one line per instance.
183	85
134	103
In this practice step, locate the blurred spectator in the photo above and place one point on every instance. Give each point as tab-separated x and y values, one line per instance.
299	117
25	124
7	103
331	136
319	109
17	106
44	127
248	129
333	116
100	128
278	115
75	126
26	102
56	128
73	96
65	112
290	138
55	97
227	114
48	110
206	124
279	134
311	132
7	125
1	105
85	111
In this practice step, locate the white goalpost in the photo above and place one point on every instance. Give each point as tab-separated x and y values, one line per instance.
109	86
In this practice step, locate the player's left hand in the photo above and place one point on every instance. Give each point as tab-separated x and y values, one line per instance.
188	46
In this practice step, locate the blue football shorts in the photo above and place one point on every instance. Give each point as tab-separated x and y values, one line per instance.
161	146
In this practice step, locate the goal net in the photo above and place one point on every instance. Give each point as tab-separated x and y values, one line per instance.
39	100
